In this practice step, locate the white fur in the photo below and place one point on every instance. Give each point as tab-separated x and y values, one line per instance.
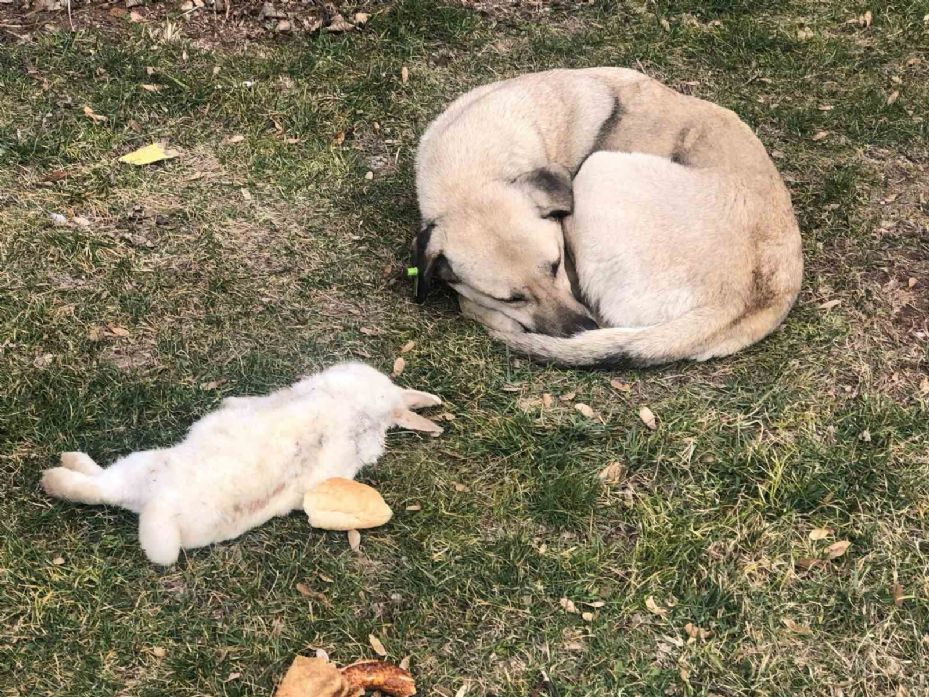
248	461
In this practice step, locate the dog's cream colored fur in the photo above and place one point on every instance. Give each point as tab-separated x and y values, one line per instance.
680	229
252	459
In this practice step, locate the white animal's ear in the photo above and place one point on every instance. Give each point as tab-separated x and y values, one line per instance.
414	399
413	421
550	189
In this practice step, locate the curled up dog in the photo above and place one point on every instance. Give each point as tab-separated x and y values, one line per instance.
596	216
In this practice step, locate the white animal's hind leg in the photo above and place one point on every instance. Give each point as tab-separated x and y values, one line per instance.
80	462
159	533
63	483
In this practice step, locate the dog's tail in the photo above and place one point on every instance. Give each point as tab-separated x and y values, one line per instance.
698	335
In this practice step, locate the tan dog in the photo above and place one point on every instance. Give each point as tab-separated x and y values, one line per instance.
682	235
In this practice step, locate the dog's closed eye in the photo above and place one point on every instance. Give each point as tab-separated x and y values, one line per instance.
516	298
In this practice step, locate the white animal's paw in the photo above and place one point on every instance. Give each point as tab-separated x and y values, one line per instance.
80	462
58	482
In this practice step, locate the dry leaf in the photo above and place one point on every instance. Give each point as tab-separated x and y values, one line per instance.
568	396
461	487
405	663
339	138
377	645
587	616
620	385
339	25
116	330
612	473
151	88
820	533
369	175
159	652
235	139
829	304
462	691
304	590
805	563
654	607
568	606
414	507
408	346
865	436
825	107
584	410
58	561
648	418
866	19
924	386
794	627
595	604
837	549
360	18
694	632
323	577
354	540
665	24
892	97
547	400
404	75
821	135
92	115
136	17
399	366
896	590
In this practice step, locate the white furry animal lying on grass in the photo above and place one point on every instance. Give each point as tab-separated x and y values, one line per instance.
250	460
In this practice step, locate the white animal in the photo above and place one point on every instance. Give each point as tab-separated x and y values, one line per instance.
250	460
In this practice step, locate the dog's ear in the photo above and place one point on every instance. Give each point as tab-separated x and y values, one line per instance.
549	188
430	263
424	259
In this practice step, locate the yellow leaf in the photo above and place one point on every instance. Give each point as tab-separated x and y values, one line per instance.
837	549
821	136
654	607
617	384
91	114
407	347
648	418
377	645
399	366
612	473
820	533
794	627
585	410
155	152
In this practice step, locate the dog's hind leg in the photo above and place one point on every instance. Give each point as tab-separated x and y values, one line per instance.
159	533
71	485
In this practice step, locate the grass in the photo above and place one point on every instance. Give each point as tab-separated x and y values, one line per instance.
238	266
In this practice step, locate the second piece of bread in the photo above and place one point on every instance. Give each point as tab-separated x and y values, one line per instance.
344	504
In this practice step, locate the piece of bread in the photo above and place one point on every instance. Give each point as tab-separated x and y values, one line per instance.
344	504
313	677
378	675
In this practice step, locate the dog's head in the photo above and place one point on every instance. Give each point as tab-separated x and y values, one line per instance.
501	246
